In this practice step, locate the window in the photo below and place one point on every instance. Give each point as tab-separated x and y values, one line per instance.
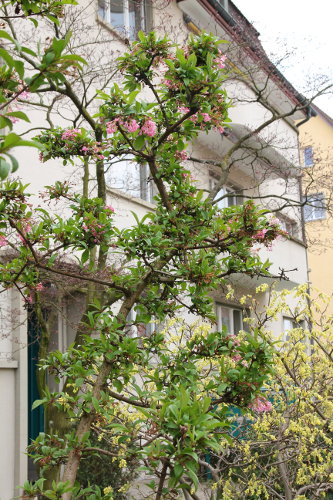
229	317
288	225
126	16
290	324
131	178
308	156
314	208
232	195
134	329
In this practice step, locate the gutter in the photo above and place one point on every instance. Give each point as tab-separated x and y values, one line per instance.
310	112
216	8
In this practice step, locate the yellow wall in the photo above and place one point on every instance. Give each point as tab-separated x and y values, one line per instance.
318	133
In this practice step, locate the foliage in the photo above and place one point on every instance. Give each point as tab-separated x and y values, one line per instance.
15	84
287	452
142	391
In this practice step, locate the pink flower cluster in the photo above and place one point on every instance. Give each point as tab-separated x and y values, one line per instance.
149	128
220	60
3	241
181	155
70	134
260	235
261	404
170	84
183	109
109	208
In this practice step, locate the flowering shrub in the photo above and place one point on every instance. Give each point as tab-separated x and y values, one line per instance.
170	259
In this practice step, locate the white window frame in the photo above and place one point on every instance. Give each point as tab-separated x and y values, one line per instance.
314	208
233	195
230	310
308	156
104	12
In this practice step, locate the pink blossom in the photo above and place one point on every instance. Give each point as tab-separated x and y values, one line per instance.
84	149
170	84
149	128
220	129
181	155
39	287
234	339
193	118
220	60
260	235
111	127
26	226
261	404
206	117
131	125
24	95
3	241
237	357
109	208
41	157
183	109
13	119
101	157
29	299
69	134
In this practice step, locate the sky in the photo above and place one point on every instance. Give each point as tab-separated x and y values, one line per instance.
302	30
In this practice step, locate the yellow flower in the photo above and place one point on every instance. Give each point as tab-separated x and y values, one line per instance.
108	490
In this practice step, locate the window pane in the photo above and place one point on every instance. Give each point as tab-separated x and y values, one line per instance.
117	14
308	156
102	8
136	17
225	318
314	209
125	175
237	321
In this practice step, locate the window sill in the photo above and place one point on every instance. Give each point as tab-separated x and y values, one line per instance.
133	199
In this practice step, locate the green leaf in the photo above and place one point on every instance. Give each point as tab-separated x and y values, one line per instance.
139	142
37	403
4	168
20	115
19	66
15	164
74	57
4	34
6	57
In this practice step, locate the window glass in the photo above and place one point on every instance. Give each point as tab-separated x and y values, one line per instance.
233	195
117	17
308	156
314	209
230	318
126	16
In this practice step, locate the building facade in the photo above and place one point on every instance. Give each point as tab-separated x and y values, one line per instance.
316	140
265	111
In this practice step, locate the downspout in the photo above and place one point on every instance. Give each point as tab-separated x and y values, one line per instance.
310	112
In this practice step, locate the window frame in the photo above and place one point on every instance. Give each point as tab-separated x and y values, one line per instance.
317	212
144	188
231	309
233	194
105	14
